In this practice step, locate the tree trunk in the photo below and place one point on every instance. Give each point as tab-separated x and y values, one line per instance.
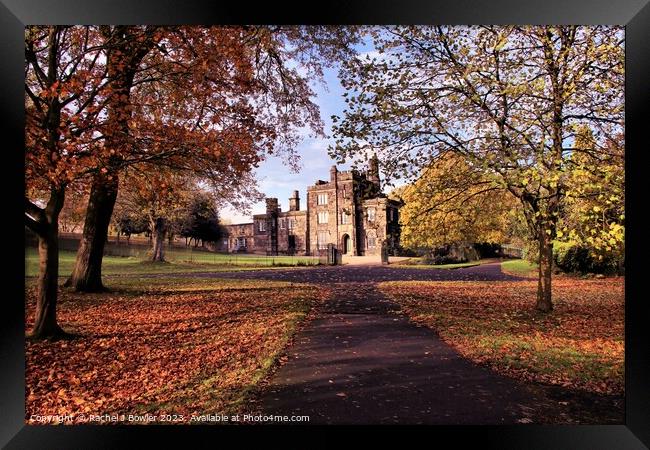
45	223
544	302
45	324
159	239
87	272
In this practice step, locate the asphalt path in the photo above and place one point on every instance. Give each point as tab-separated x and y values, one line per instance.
360	360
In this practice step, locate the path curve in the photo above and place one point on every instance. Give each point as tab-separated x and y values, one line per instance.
360	274
360	360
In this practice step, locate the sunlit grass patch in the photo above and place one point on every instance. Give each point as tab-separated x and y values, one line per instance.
179	261
579	345
519	267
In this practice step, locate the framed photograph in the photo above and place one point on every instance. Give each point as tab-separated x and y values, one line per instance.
407	216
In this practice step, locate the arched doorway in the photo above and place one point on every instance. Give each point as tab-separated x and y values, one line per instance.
346	244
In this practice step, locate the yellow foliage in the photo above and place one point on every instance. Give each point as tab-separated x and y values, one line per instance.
453	203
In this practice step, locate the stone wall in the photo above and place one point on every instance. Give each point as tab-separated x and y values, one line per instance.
236	234
297	235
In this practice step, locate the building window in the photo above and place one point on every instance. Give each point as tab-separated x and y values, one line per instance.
322	199
345	218
372	241
281	223
241	242
323	217
261	225
290	223
322	239
371	214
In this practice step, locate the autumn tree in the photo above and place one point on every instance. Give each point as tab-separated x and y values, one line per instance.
128	216
508	99
452	204
127	224
73	212
219	98
156	199
592	221
64	88
200	220
123	49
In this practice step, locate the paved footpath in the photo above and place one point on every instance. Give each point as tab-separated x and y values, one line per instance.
361	361
362	274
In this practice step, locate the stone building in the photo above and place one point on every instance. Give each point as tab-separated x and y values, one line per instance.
349	210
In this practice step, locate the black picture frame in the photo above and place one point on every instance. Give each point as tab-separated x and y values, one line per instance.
634	14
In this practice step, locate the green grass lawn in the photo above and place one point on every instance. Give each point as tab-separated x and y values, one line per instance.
519	267
178	261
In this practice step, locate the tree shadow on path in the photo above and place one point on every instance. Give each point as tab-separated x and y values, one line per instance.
360	361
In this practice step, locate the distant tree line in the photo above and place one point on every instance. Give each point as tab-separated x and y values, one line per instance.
198	221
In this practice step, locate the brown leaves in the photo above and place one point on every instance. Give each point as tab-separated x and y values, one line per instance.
578	345
167	351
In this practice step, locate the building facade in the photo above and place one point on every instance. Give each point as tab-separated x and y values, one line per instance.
349	210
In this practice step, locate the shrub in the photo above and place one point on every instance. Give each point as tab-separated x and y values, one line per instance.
442	259
574	258
487	250
451	254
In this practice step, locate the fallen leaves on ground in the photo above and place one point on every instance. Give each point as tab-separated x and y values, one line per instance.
152	349
579	345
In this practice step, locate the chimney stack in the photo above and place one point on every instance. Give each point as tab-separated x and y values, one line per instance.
294	202
373	172
333	174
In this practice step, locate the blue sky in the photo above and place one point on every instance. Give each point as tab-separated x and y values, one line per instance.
275	179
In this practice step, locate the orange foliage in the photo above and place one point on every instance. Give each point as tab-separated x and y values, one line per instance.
165	351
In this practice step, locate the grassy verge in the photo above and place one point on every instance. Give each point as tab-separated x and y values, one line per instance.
436	266
177	346
417	263
520	268
579	345
179	262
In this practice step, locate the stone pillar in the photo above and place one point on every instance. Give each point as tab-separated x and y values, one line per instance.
384	251
272	226
334	179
